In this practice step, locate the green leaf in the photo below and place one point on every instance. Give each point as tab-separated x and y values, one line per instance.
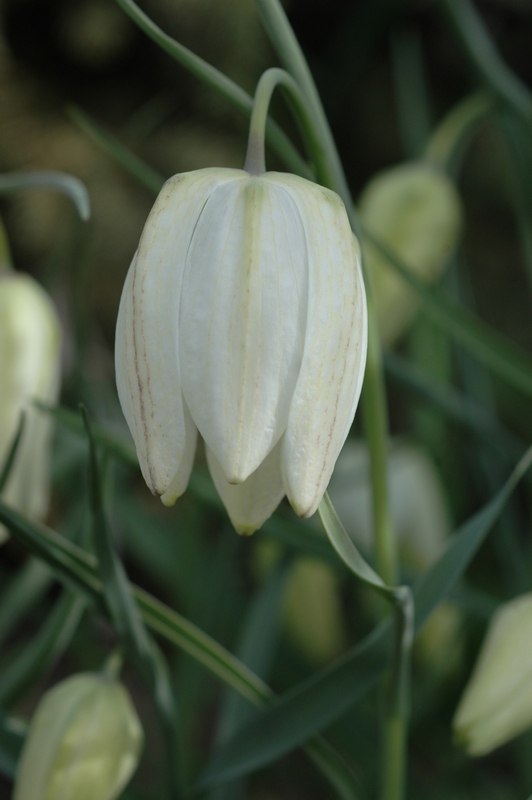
458	407
58	181
256	650
26	588
118	151
346	549
9	460
493	349
312	705
43	650
77	568
125	613
12	736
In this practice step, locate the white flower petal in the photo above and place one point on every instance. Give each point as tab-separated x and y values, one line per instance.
180	480
242	321
332	369
147	363
250	503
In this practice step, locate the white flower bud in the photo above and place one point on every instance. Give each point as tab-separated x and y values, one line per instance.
416	212
243	316
30	341
497	701
84	742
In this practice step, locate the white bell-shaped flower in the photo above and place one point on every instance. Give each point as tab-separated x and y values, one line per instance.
243	316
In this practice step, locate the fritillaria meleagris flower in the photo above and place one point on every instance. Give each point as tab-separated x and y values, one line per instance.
243	317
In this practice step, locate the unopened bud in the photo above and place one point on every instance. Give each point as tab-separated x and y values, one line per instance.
415	211
497	702
84	742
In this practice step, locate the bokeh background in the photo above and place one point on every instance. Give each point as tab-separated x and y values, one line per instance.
387	72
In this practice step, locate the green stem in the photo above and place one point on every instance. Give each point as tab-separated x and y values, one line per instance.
57	181
485	58
397	698
454	133
376	430
227	88
269	80
275	21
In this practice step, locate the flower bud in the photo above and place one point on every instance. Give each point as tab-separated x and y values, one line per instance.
83	743
243	317
30	343
497	702
415	211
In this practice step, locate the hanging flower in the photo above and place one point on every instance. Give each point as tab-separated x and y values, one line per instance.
243	316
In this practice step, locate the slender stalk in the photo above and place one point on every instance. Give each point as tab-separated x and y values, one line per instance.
454	133
227	88
485	58
58	181
287	47
376	430
269	80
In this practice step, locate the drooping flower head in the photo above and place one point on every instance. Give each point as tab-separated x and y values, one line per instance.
243	316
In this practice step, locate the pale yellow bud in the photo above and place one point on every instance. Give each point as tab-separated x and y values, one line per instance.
497	702
415	211
84	742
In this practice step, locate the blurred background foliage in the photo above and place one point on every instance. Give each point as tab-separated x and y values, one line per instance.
388	71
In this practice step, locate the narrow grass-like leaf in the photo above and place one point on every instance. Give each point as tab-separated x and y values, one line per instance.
493	349
125	613
58	181
73	422
227	88
481	51
24	590
12	452
119	152
12	736
346	549
77	568
312	705
256	650
46	647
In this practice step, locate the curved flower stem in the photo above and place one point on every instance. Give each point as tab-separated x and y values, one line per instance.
269	80
448	141
287	47
227	88
58	181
